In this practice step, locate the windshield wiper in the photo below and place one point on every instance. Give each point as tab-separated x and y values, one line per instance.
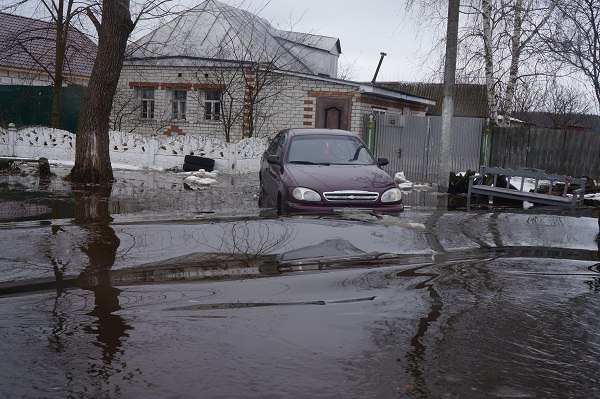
309	163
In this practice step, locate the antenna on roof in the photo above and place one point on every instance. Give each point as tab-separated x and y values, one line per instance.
378	66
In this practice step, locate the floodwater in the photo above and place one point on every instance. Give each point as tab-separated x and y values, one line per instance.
144	289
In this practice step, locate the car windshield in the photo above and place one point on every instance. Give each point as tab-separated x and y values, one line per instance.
329	150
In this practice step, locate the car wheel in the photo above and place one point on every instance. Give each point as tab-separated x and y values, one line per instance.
261	197
281	211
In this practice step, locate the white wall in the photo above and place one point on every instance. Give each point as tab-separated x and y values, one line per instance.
135	150
13	76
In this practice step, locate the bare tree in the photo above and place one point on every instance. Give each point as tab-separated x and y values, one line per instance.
125	105
61	14
92	152
51	45
565	105
529	95
92	159
499	43
507	48
573	38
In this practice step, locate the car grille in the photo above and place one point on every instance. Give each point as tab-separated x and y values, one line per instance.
351	196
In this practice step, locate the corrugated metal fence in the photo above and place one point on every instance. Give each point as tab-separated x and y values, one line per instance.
411	144
556	151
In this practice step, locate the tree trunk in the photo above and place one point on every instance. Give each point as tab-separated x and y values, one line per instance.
59	59
92	156
514	64
449	89
486	10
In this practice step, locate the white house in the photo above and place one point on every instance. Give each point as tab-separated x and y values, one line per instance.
223	72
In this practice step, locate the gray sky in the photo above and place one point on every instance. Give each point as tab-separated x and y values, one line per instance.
365	28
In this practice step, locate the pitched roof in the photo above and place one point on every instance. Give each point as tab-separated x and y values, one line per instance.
561	121
30	44
216	31
470	99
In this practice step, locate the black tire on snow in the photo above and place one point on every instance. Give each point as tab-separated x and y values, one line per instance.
189	167
206	163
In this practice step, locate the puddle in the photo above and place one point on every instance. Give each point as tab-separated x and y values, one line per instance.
128	293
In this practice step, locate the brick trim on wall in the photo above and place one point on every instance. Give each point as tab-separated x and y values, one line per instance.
181	86
174	129
208	86
144	85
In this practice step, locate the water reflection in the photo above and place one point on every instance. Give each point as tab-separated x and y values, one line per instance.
100	246
416	356
98	242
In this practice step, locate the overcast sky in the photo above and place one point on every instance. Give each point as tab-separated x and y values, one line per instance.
365	29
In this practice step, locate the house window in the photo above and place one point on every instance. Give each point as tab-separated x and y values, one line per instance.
212	106
179	100
147	103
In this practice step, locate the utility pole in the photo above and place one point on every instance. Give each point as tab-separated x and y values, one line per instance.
449	89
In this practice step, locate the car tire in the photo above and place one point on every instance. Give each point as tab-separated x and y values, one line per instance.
279	205
261	197
207	164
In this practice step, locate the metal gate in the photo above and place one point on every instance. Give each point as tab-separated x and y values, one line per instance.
411	144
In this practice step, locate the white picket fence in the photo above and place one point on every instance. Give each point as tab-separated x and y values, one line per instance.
131	149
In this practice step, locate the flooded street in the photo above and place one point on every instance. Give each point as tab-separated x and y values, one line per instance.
151	290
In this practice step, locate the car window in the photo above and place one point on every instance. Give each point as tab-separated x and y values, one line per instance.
329	149
276	146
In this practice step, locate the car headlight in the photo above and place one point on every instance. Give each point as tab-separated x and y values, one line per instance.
391	195
305	194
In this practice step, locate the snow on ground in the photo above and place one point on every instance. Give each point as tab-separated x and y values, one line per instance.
200	179
405	184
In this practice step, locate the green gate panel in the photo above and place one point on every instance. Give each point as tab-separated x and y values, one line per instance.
32	105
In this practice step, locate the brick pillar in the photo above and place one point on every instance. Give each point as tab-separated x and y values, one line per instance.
249	92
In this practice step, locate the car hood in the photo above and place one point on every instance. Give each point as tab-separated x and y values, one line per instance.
338	177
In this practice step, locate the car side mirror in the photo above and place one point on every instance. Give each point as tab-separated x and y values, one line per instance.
274	159
382	161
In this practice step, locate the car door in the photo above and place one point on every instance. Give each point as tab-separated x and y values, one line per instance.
271	173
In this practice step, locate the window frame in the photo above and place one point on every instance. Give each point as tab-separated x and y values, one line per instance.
147	103
210	105
178	105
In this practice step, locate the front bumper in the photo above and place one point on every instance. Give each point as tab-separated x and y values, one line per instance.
305	208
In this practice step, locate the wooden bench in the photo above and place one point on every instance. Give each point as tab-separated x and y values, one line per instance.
493	176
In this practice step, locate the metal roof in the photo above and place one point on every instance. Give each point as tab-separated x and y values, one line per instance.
29	44
213	30
470	99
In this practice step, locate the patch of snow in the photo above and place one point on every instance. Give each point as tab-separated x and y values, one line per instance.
399	178
200	179
202	173
593	197
527	205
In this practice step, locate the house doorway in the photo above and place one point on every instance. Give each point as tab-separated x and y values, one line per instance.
333	113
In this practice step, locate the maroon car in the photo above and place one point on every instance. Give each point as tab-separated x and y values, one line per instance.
322	171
